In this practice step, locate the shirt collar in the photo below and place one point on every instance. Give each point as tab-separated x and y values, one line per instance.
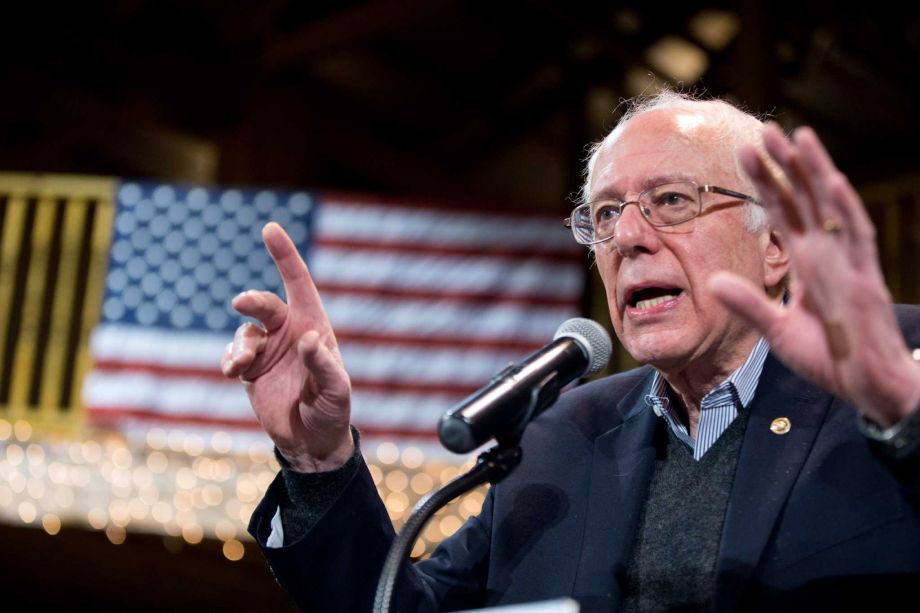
742	383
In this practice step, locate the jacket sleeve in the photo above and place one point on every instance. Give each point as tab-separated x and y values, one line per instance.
335	566
901	451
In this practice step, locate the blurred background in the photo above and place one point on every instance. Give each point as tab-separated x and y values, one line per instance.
421	153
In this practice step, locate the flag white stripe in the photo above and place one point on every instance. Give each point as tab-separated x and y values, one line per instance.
419	411
440	273
423	317
170	396
354	221
127	343
377	361
428	365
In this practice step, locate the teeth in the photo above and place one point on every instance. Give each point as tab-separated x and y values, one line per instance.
649	303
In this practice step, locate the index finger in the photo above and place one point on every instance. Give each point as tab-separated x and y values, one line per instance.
298	284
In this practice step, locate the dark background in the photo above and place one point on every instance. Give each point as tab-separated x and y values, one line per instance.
453	99
459	101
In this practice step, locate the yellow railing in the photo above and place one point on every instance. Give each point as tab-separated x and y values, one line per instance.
54	240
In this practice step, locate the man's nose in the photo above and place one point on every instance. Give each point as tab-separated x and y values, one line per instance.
633	232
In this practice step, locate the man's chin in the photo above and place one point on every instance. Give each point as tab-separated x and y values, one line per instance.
661	356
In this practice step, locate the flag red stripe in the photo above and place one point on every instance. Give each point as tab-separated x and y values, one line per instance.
442	342
214	374
506	209
413	387
380	244
490	298
105	415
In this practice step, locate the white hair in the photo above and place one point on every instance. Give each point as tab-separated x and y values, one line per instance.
738	127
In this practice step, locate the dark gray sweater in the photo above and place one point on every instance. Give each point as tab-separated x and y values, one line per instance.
674	556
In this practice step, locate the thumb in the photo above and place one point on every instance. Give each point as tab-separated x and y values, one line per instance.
746	300
329	377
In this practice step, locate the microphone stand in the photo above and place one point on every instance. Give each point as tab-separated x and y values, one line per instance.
492	466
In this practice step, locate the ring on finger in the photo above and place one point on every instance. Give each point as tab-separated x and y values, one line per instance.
833	226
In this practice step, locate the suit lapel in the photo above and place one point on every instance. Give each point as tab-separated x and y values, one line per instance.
621	469
768	466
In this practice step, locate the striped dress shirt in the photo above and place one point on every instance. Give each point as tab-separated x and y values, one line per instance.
719	407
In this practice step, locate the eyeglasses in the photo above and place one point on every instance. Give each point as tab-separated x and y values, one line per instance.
663	205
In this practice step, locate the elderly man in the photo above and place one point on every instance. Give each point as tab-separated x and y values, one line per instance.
765	458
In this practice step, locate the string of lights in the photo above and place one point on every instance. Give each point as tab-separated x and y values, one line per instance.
184	485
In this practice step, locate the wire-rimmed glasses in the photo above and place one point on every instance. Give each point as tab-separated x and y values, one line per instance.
668	204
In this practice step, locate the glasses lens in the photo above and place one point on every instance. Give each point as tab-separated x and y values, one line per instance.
604	216
671	203
582	227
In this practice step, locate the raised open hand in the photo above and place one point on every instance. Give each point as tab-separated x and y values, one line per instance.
291	366
839	329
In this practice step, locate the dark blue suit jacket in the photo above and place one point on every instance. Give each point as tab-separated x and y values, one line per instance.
815	519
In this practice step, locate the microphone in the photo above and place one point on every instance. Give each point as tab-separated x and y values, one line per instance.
504	407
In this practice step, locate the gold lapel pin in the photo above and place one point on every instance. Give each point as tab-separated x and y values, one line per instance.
781	425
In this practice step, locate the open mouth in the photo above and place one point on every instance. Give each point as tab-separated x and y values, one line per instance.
648	297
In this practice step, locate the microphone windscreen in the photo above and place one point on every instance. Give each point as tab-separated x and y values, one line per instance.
592	337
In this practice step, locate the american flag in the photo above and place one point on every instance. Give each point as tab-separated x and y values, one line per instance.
427	303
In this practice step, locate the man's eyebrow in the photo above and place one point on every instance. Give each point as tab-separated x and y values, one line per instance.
611	193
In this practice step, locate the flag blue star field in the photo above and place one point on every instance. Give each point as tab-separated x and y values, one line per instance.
427	303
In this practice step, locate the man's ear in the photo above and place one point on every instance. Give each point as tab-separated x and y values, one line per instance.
777	266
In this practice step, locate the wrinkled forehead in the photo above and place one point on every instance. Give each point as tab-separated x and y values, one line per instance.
666	144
